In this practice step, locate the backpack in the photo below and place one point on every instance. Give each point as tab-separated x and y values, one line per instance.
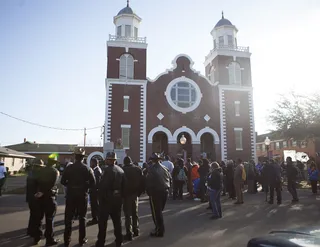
182	175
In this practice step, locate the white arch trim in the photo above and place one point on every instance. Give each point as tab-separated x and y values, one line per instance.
174	66
94	154
211	131
189	131
160	128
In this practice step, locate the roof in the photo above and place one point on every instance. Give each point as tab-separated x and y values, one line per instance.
127	10
28	147
6	152
223	22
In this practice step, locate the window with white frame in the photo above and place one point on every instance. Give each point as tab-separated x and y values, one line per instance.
258	147
221	41
234	73
119	34
126	70
127	30
183	94
237	108
263	147
230	41
284	144
277	145
126	103
238	138
211	74
125	135
294	143
136	32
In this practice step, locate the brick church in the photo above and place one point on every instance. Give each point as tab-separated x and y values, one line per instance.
181	112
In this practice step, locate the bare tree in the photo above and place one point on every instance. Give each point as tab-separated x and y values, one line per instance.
297	116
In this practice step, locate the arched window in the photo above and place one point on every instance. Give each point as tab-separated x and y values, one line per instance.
126	70
234	73
211	74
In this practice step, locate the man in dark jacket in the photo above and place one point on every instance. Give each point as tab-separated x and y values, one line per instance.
111	194
292	176
31	190
158	181
274	181
94	202
78	178
215	187
134	178
45	200
203	173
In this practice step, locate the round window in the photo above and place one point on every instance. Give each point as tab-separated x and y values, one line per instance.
183	94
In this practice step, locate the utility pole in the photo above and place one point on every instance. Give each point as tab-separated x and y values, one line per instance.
85	137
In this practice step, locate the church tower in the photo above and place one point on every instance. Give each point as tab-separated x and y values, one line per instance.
126	86
228	66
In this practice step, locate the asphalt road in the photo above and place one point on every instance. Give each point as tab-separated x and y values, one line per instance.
187	222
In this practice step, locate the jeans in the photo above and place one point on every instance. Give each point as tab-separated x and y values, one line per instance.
292	188
215	202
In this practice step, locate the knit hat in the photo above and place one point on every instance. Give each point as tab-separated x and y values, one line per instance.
127	160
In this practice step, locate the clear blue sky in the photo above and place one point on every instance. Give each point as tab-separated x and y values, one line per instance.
53	55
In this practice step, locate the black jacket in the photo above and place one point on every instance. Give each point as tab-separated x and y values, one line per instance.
134	178
158	179
292	173
46	181
215	179
97	175
31	188
112	185
78	178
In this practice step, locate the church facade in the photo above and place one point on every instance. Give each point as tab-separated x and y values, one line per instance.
180	112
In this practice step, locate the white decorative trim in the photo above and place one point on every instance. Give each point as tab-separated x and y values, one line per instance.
252	127
174	66
238	129
223	130
236	88
160	128
211	131
194	139
126	126
222	52
126	97
128	82
170	101
143	123
94	154
107	128
127	45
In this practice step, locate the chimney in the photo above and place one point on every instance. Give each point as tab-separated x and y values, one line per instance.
25	140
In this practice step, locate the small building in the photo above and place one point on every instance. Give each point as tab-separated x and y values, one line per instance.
65	151
13	160
278	144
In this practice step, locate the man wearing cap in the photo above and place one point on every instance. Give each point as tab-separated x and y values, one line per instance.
94	202
134	177
158	181
111	192
31	190
46	204
78	178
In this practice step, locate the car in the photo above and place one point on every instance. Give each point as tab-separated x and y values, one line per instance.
307	237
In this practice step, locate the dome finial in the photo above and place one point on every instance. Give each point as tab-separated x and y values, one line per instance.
222	15
127	3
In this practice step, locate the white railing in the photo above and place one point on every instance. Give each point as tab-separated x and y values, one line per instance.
229	48
127	39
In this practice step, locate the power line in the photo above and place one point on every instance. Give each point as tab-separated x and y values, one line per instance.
45	126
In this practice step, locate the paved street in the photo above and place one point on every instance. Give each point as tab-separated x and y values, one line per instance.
187	222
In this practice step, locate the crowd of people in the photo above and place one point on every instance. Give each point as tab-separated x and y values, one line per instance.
114	188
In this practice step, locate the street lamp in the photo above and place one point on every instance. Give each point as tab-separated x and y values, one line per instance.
267	143
183	140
